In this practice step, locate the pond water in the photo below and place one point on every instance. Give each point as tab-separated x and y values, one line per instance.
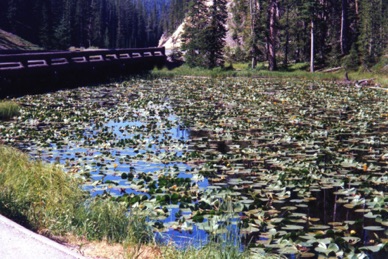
273	166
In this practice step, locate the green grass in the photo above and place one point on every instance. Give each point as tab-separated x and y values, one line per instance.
298	70
8	109
212	251
243	70
39	194
104	219
44	198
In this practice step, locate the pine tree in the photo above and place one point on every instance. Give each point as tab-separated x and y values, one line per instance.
62	31
194	35
44	24
241	29
12	14
373	34
216	33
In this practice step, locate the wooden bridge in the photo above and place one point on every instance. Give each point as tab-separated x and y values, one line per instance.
26	72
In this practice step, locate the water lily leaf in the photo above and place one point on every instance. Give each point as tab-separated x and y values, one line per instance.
276	220
374	249
335	224
370	215
362	210
374	228
319	227
323	248
307	255
289	250
292	227
249	230
350	205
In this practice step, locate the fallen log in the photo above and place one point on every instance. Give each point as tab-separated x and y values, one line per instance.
334	69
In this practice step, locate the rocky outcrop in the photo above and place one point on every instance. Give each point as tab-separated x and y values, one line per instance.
173	42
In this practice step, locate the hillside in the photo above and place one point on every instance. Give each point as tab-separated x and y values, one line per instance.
9	41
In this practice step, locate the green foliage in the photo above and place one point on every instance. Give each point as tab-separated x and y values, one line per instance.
59	24
194	36
216	33
351	61
373	32
204	33
8	109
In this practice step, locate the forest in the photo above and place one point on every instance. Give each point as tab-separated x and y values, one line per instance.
327	33
59	24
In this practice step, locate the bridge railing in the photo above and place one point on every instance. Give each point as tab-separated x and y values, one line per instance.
33	60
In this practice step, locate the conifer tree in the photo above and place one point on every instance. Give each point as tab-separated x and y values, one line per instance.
373	35
204	33
216	33
194	35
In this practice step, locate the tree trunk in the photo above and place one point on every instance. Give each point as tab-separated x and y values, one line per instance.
272	35
119	24
312	46
356	3
344	28
286	46
253	34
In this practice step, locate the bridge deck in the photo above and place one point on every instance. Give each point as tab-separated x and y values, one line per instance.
29	70
91	59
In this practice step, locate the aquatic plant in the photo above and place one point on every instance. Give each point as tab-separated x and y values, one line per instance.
291	164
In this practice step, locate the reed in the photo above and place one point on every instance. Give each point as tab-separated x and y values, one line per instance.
8	110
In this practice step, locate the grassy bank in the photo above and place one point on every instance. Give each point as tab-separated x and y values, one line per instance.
299	70
44	198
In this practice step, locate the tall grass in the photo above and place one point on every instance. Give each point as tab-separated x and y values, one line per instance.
42	194
104	219
243	70
42	197
8	109
211	251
